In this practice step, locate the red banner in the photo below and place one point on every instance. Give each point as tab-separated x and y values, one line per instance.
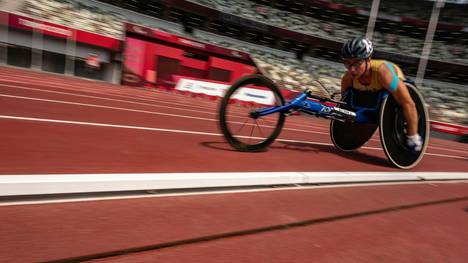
133	71
98	40
30	24
158	34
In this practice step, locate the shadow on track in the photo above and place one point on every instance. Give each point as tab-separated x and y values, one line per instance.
223	146
358	156
354	155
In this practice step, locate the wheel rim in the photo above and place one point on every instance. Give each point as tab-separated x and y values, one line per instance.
393	131
242	121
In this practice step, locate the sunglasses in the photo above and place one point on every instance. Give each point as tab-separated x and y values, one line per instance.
353	64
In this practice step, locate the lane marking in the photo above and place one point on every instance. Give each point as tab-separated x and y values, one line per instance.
122	91
131	96
140	103
148	112
106	125
105	107
119	91
447	149
194	132
116	100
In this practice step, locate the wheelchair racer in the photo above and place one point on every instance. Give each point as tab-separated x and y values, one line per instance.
366	74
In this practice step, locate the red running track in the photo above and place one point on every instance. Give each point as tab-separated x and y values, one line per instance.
157	131
416	222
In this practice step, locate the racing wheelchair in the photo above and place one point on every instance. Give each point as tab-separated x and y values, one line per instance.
354	119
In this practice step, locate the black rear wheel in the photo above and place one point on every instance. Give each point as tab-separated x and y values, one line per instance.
349	136
243	129
393	130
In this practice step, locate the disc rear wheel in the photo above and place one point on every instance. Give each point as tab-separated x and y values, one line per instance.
393	129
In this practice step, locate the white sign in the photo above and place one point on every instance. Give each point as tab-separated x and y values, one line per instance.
192	43
42	26
264	97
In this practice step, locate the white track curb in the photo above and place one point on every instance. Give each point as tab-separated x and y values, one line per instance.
15	185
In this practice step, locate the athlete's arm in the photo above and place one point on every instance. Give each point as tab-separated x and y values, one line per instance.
390	81
346	82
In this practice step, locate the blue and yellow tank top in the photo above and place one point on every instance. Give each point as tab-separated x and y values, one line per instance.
374	85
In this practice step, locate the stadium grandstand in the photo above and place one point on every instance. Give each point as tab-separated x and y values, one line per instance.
295	43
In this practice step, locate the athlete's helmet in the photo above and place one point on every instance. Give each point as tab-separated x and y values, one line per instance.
357	47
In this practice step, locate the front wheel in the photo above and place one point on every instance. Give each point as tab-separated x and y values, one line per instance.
243	129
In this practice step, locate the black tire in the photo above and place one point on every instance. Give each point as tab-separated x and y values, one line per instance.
392	128
350	136
229	125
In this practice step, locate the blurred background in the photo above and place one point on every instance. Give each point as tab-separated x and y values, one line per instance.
151	43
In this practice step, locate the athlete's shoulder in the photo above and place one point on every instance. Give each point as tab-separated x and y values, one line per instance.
377	63
388	75
384	66
390	67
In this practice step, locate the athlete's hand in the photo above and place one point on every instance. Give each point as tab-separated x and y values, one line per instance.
414	142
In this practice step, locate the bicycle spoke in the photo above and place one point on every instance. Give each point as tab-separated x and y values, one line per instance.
247	120
259	129
251	132
266	121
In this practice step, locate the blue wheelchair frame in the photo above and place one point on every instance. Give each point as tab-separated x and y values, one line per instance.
356	114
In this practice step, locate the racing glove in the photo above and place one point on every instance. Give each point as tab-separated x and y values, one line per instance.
414	142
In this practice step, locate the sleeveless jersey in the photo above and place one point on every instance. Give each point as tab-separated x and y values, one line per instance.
375	84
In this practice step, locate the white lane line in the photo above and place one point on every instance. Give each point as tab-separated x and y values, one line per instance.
83	87
87	86
124	95
119	91
446	149
293	122
84	84
290	123
122	101
106	107
193	132
148	112
154	194
445	155
106	125
108	99
129	102
117	100
110	91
